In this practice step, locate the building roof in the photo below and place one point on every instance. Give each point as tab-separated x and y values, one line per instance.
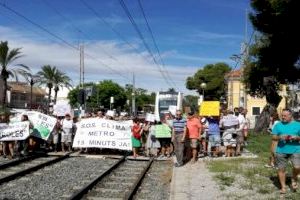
234	74
25	88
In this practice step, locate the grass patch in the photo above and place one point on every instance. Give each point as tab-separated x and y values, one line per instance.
225	179
255	176
259	144
264	190
220	166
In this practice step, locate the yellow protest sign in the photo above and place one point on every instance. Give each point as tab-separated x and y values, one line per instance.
210	108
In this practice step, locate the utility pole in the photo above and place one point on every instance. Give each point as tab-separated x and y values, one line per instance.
133	95
81	76
81	66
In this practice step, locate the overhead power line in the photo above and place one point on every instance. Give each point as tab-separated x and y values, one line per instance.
76	28
39	26
154	42
135	26
118	34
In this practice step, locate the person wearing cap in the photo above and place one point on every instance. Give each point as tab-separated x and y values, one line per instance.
194	133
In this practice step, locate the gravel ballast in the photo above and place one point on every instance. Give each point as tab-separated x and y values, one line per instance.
156	184
58	181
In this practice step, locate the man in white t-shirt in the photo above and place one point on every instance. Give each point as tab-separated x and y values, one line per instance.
230	124
66	135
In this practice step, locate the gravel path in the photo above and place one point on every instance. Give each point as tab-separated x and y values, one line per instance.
57	181
194	181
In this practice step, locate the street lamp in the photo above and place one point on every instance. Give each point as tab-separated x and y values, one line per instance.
203	86
111	102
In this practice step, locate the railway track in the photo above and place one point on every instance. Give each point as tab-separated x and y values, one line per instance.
8	163
67	177
121	181
57	181
21	167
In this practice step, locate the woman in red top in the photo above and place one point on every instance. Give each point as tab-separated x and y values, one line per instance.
136	136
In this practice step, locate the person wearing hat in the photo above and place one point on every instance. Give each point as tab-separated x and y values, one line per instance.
194	128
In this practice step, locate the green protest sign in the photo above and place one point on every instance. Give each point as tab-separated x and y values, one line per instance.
162	131
42	124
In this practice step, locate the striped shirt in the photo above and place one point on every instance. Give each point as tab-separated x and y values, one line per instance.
179	125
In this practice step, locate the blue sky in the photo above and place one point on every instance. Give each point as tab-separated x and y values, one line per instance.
189	35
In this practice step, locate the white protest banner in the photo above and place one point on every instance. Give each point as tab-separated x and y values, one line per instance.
150	117
42	124
101	133
172	110
61	108
14	131
110	113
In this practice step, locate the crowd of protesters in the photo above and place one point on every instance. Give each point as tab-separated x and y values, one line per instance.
192	135
12	149
188	136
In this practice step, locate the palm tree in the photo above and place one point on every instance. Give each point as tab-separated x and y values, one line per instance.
7	57
47	78
61	80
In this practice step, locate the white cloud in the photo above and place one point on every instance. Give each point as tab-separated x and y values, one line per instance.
98	65
200	59
215	36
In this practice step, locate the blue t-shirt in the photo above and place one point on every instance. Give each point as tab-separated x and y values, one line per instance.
213	127
293	129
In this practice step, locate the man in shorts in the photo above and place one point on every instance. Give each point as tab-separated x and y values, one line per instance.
194	132
287	133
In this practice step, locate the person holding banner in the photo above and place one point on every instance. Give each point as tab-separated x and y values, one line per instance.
214	136
56	134
23	148
3	145
66	135
163	133
152	143
136	136
7	146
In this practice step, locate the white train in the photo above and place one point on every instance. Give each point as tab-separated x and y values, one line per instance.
167	102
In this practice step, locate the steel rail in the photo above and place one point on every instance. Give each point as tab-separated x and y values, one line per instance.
20	160
129	195
86	188
31	169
